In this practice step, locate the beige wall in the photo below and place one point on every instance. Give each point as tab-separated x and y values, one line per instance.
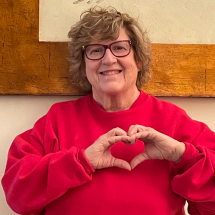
184	22
18	113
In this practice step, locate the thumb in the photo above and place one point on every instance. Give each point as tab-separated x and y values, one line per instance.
138	159
122	164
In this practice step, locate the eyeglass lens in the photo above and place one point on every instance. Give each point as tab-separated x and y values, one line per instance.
97	51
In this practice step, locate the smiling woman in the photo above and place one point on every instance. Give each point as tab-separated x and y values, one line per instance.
113	78
93	28
82	155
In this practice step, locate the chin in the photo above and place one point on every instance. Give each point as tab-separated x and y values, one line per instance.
113	91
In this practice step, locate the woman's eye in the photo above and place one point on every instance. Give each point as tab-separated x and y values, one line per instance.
119	48
98	50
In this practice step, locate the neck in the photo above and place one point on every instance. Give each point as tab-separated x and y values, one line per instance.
117	102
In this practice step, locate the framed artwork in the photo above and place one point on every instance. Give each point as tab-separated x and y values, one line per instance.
33	63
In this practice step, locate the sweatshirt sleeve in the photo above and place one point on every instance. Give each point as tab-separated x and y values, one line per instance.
194	177
38	172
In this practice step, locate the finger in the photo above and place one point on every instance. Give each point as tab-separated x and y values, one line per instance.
108	142
126	140
144	135
138	159
135	129
130	129
132	139
122	164
116	132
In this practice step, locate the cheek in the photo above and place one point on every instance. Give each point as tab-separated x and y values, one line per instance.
92	66
130	64
91	70
132	68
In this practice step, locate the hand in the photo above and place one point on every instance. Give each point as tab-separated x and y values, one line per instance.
157	145
99	155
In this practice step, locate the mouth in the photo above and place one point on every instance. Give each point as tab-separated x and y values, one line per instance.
111	72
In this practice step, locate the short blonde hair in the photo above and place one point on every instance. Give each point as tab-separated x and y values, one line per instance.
98	24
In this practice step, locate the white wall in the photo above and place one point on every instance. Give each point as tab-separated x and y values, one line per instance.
18	113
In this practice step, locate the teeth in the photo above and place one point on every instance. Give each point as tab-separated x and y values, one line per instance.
111	72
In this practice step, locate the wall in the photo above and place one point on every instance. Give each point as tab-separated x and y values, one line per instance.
28	66
18	113
175	22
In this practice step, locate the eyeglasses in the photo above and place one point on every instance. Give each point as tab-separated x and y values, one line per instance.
97	51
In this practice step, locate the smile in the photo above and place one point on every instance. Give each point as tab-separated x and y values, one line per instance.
111	72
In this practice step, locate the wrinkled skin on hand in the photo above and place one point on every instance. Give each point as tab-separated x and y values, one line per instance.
157	146
99	155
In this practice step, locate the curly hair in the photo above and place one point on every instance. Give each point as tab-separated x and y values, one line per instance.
99	24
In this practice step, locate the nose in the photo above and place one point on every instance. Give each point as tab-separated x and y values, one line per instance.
109	58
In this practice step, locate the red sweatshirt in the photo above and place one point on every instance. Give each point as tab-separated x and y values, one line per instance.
47	172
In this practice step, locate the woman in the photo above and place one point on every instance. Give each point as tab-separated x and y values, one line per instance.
117	150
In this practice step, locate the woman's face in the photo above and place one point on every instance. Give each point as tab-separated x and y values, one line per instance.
112	75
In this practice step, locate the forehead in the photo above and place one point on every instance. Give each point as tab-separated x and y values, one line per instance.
122	36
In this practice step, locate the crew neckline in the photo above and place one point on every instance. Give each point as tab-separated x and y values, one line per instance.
94	105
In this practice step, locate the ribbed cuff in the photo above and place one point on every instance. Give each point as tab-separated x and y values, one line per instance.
191	156
84	162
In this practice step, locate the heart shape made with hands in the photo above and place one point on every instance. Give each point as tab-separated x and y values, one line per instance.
134	154
126	151
156	146
99	154
148	136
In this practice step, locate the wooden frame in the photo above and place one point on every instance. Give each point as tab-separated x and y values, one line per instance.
28	66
